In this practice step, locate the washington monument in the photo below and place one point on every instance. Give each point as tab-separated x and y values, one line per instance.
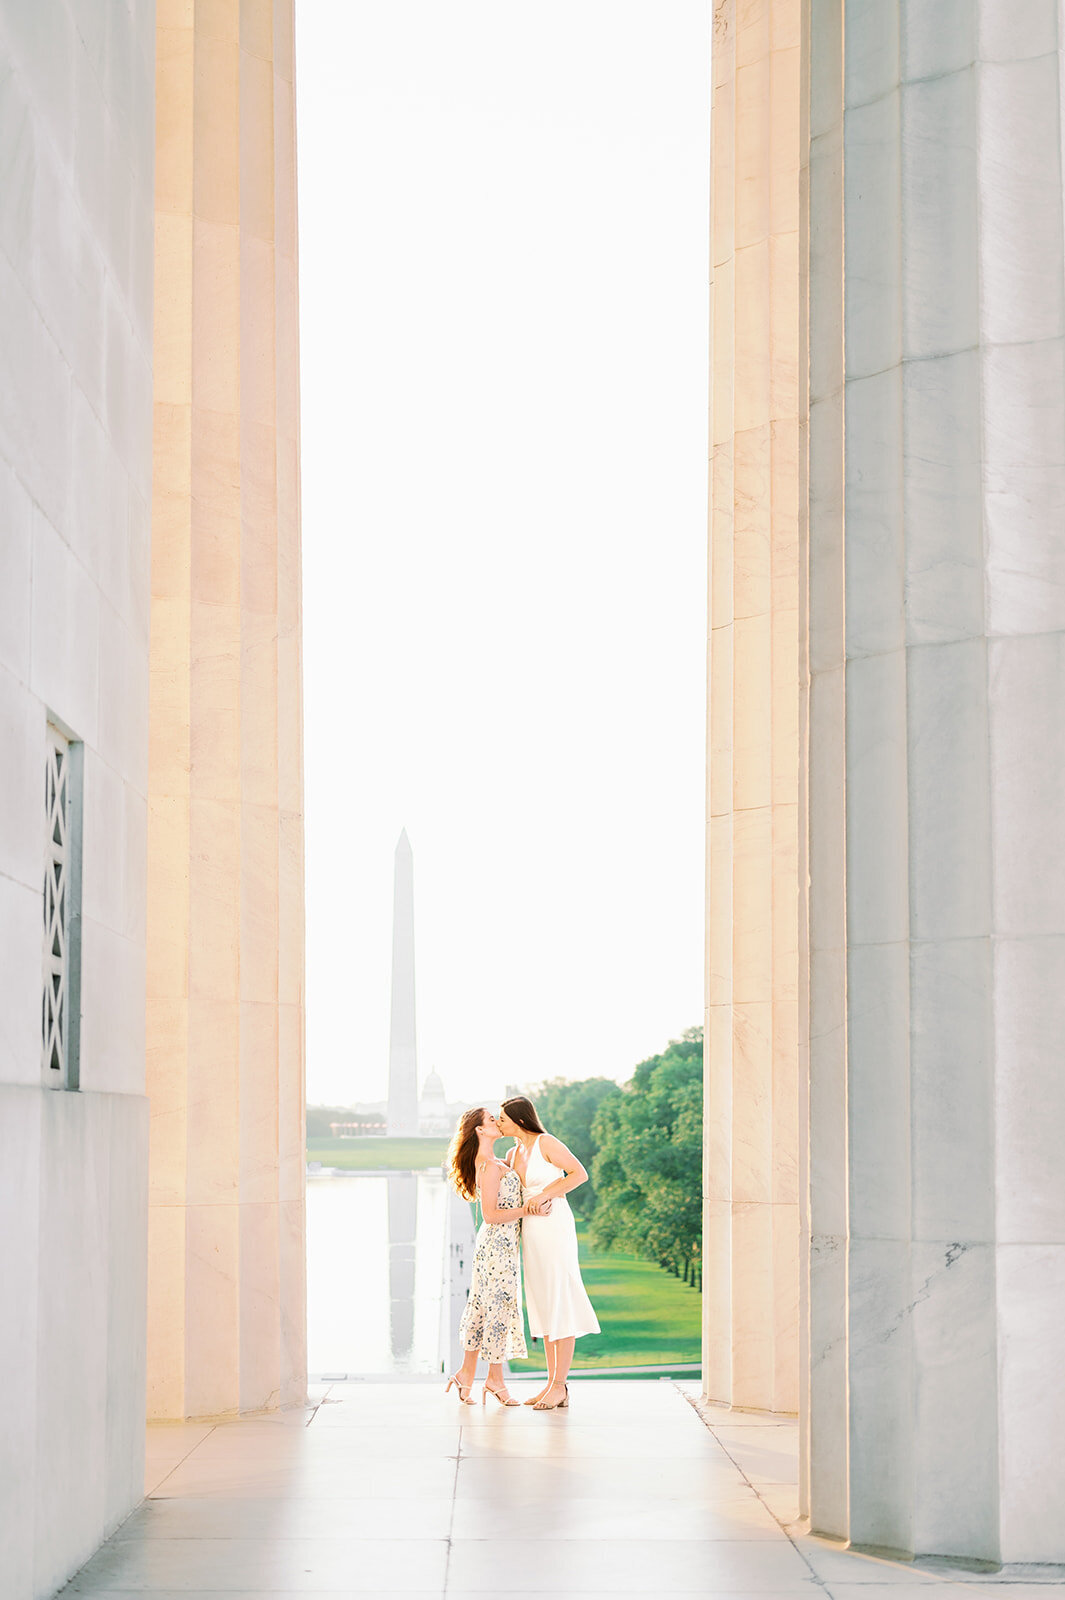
403	1047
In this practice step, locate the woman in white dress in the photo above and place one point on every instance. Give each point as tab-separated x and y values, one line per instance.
491	1324
559	1309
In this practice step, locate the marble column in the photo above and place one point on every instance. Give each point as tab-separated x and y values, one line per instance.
751	1269
936	771
225	893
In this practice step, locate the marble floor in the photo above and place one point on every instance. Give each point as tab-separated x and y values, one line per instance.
395	1489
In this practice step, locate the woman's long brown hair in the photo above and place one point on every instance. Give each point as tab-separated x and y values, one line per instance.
462	1153
522	1111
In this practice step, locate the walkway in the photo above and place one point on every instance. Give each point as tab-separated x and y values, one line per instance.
392	1489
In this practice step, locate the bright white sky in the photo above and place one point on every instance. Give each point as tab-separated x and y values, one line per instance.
503	263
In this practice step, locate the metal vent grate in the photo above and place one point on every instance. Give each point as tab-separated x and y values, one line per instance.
61	902
55	1009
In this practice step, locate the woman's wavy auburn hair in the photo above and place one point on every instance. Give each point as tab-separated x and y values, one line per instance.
520	1109
462	1153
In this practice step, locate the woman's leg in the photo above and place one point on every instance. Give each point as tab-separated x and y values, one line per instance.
495	1379
562	1360
468	1370
549	1353
549	1358
564	1349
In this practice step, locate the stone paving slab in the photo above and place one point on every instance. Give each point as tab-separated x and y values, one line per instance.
385	1489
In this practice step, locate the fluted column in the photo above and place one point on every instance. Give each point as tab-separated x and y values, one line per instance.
936	635
225	944
751	1272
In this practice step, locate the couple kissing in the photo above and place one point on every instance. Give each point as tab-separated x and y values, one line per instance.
531	1183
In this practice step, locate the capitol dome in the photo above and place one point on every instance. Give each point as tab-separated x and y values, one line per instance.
433	1114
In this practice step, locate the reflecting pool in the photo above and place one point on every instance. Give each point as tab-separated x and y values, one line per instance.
376	1260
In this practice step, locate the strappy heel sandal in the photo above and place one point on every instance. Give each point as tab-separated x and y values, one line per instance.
463	1388
559	1405
504	1398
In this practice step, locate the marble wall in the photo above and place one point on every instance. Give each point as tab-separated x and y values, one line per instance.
936	636
76	110
751	1229
225	888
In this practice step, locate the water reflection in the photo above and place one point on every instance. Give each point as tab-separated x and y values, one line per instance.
402	1226
376	1249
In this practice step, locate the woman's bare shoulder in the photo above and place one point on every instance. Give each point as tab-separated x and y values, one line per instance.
552	1147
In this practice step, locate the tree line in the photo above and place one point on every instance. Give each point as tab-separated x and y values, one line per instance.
643	1146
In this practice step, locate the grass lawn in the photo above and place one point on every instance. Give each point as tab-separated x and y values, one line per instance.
647	1317
375	1152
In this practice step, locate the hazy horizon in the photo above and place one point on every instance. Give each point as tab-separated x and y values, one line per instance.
504	272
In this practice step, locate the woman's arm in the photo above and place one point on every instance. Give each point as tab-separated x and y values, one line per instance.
559	1156
490	1179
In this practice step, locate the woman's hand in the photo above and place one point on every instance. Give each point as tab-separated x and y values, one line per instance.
537	1208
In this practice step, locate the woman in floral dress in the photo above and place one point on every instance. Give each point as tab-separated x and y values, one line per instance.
492	1323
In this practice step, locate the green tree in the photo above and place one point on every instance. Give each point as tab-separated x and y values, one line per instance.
319	1119
647	1172
569	1110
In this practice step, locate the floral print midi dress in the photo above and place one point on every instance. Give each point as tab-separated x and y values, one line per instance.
492	1321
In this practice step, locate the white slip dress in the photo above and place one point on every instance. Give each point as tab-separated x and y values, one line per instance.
555	1299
